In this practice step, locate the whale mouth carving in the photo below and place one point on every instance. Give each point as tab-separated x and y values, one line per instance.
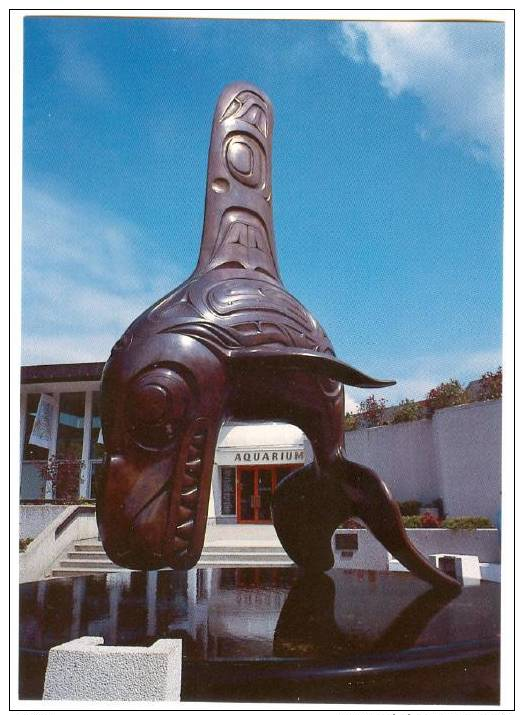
166	525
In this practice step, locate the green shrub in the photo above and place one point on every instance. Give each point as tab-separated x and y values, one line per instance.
430	521
447	394
412	522
426	521
24	543
351	422
407	411
491	385
409	508
467	522
371	412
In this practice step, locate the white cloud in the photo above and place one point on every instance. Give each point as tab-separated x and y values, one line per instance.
350	404
417	375
51	349
78	67
83	281
455	69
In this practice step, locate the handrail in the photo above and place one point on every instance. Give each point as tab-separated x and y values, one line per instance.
83	510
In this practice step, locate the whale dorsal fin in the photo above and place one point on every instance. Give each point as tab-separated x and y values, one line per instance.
238	222
322	364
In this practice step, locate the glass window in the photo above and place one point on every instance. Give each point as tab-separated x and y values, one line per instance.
71	425
228	491
31	451
96	450
32	483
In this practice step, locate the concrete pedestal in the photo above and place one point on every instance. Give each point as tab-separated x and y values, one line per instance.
85	669
465	568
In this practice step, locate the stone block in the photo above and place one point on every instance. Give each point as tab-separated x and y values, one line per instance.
358	549
85	669
465	568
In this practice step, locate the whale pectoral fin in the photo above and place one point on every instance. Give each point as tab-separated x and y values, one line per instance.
307	360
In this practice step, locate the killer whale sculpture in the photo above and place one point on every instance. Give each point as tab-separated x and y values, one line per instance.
231	342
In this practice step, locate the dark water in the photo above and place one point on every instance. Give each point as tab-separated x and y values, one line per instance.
259	619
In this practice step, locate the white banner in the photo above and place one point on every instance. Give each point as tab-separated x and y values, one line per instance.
100	439
41	434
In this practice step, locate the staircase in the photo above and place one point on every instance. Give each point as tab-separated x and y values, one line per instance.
84	558
224	553
87	557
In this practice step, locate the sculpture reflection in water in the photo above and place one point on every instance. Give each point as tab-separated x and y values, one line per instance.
232	343
307	626
208	608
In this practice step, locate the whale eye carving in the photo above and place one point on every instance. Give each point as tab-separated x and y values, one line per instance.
156	404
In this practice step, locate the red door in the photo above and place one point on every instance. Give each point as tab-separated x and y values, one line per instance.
255	486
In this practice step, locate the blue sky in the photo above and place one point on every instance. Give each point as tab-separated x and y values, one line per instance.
387	181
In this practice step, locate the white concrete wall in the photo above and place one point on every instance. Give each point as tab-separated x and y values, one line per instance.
37	560
468	441
455	456
402	455
35	517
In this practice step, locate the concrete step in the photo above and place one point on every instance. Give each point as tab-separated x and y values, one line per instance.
69	571
245	565
87	557
89	545
245	560
220	548
99	555
91	565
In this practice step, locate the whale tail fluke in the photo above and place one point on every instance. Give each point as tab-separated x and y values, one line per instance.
310	503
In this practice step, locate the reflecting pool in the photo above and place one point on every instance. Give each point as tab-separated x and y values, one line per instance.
272	633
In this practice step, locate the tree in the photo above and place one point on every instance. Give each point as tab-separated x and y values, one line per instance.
372	411
446	394
491	385
407	411
63	471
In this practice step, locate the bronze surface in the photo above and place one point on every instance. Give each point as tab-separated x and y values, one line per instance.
232	343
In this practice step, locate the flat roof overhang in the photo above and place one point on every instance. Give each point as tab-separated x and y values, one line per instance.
71	372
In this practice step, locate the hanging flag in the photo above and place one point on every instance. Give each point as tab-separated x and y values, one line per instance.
100	439
41	434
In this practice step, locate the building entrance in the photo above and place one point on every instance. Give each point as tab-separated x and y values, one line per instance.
255	485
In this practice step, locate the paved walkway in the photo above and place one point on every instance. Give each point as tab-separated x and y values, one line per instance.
246	534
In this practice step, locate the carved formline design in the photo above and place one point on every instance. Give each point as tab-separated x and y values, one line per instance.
251	108
246	160
238	229
246	314
242	238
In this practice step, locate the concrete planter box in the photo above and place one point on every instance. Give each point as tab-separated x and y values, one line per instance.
484	543
85	669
